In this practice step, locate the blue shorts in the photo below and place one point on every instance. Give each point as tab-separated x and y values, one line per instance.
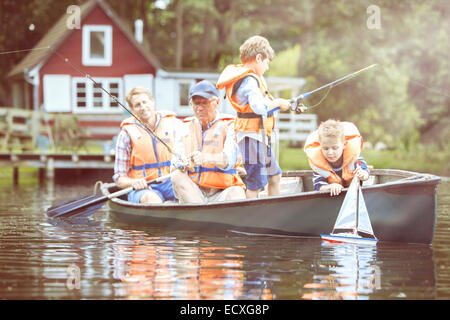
259	162
164	190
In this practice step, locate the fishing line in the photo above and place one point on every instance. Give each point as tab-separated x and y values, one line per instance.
24	50
429	88
297	104
373	55
321	100
418	83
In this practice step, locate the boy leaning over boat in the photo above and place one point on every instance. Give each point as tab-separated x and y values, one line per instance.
209	173
333	152
139	158
248	94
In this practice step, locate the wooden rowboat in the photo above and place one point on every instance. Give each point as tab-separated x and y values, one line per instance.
402	207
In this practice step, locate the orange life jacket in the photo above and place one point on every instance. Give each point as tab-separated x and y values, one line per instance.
247	120
213	142
352	147
150	158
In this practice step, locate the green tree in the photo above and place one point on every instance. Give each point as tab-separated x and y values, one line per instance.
23	24
410	47
405	98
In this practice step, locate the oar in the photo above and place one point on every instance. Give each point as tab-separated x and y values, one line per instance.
87	205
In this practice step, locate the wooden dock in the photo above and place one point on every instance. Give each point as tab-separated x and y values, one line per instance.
47	163
28	130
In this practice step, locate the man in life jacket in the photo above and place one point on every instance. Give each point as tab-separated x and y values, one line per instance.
140	157
208	144
248	94
333	151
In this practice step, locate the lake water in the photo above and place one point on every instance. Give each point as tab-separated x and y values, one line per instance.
99	258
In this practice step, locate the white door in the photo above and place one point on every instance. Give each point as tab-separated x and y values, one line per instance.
165	94
135	80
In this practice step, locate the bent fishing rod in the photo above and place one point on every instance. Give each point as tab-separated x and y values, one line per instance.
96	84
297	104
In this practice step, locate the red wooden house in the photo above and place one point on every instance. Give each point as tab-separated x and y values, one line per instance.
101	46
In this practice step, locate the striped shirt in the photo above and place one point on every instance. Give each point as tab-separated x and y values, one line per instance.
320	181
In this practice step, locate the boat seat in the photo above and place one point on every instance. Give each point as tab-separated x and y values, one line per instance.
371	181
288	185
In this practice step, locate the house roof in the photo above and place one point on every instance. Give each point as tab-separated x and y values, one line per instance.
55	37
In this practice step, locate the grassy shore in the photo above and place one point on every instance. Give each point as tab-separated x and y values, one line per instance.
424	159
420	159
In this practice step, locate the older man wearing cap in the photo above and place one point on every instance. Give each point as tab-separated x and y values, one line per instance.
208	142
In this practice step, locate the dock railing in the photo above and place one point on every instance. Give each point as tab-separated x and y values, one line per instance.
18	129
27	130
295	128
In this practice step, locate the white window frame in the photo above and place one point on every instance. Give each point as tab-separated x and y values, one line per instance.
106	99
86	45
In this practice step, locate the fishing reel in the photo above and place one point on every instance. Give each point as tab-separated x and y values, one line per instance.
298	106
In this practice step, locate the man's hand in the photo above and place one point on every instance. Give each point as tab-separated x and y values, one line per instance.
182	164
139	184
208	159
196	158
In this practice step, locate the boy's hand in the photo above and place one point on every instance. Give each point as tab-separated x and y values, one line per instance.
362	175
283	104
335	188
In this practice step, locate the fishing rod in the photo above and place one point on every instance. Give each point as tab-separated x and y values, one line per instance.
297	104
96	84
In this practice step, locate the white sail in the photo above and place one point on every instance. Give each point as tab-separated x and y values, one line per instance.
347	215
364	224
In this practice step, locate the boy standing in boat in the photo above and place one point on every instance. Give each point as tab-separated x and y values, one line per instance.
140	157
209	145
247	92
333	151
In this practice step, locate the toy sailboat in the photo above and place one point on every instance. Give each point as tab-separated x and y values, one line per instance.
353	223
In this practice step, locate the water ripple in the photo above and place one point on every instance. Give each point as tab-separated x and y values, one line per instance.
98	258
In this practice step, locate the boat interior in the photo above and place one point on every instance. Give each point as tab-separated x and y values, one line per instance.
300	181
294	182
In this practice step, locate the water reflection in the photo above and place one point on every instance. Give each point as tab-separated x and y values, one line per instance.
345	271
135	264
357	271
79	243
167	268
